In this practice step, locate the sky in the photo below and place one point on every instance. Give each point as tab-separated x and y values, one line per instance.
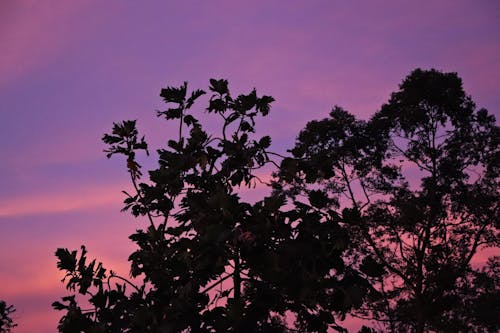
69	69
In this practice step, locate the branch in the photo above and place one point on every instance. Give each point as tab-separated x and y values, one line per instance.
475	245
381	257
275	154
365	193
181	121
124	280
412	160
142	198
213	285
348	183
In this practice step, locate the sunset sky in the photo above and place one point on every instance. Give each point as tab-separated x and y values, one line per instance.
68	69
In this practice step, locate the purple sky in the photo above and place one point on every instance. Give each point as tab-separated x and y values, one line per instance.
68	69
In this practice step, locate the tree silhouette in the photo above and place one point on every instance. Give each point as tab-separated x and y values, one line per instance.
416	186
6	322
208	261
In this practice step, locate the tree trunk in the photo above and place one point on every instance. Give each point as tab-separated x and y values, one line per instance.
420	317
236	277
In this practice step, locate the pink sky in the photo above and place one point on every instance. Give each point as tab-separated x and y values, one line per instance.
68	69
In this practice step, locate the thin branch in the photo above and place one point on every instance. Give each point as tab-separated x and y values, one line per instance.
275	154
141	197
365	193
411	159
213	285
124	280
348	184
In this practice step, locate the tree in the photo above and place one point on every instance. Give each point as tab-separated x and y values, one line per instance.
416	186
6	322
208	261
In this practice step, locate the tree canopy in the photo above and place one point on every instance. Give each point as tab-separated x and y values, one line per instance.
379	219
6	322
416	187
209	261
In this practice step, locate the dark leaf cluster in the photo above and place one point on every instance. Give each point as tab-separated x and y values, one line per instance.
209	261
6	322
416	188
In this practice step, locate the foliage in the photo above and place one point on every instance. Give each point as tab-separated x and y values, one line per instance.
416	187
6	322
208	261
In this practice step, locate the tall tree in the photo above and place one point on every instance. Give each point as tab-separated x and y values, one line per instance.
417	188
6	322
208	261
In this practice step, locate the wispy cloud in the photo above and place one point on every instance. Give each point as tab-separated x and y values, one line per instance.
70	200
32	34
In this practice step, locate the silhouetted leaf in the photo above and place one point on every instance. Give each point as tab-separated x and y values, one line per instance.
219	86
173	94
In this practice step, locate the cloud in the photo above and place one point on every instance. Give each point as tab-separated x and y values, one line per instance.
70	200
33	33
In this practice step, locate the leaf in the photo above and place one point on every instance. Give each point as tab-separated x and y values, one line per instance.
111	139
174	95
275	202
217	105
351	215
265	142
66	260
194	96
232	117
176	145
318	199
263	104
219	86
246	127
246	102
288	169
190	120
59	306
173	113
371	267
